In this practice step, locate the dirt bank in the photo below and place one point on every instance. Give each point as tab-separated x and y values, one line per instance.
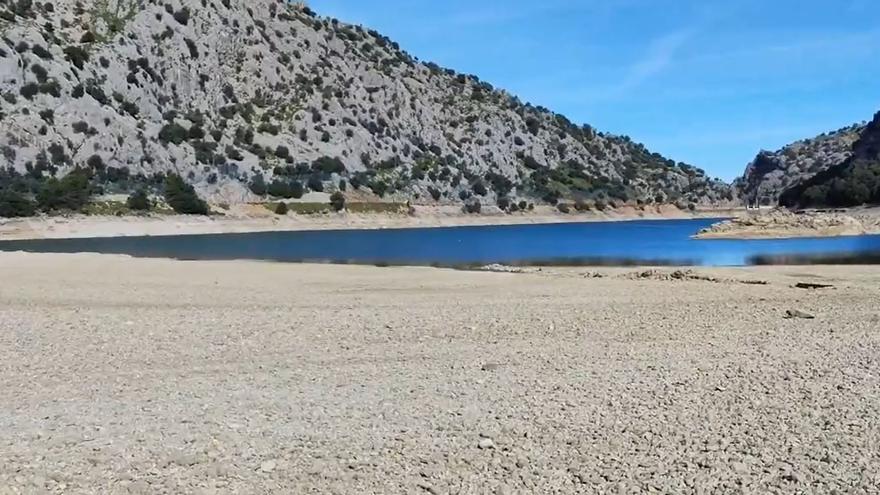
256	218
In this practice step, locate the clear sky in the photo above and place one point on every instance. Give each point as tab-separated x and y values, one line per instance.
707	82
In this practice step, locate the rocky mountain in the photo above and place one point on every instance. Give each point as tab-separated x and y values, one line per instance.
245	99
853	182
771	173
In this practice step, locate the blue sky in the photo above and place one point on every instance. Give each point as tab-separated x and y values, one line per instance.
707	82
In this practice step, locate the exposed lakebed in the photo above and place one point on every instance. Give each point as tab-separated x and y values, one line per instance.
664	242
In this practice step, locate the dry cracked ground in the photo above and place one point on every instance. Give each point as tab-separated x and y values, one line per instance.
152	376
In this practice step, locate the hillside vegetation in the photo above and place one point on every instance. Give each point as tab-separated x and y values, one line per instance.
854	182
261	99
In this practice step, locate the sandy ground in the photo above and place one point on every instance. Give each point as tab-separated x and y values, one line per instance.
256	218
153	376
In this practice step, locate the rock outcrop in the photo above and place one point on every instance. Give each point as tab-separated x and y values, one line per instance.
782	223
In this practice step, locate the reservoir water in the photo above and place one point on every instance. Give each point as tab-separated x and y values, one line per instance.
666	242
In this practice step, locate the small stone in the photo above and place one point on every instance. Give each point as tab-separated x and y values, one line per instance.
792	314
811	286
268	466
486	443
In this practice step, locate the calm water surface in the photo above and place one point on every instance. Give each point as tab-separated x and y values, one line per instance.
637	242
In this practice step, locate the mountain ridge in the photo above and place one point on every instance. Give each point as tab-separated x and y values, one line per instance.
248	100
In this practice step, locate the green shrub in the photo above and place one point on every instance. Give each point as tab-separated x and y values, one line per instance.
15	205
182	16
51	87
480	188
139	201
379	187
316	184
76	56
282	152
95	162
297	190
195	132
281	208
582	206
182	197
531	163
473	207
41	52
173	133
234	154
29	90
328	165
258	185
40	73
69	193
280	189
435	193
337	201
48	115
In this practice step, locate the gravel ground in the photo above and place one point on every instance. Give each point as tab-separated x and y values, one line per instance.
154	376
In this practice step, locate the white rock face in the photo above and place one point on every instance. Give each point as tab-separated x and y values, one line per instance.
223	91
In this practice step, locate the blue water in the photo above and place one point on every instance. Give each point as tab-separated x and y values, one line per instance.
637	242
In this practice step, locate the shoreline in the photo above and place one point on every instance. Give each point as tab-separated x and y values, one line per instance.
785	224
254	219
740	224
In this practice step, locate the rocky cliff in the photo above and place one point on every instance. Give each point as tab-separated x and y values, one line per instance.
246	99
771	173
853	182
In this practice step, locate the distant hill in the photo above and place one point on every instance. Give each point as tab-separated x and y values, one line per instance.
853	182
772	173
258	98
